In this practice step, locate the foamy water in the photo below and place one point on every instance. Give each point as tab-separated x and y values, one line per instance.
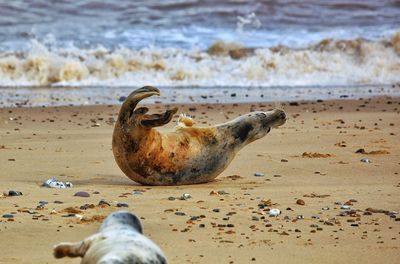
329	62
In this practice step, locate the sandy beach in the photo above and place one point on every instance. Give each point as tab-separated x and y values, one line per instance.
335	208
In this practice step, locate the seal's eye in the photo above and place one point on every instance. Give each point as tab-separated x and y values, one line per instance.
269	129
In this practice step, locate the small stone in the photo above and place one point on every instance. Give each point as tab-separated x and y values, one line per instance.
259	174
86	206
365	160
82	194
14	193
8	216
104	202
216	210
180	213
300	202
300	217
122	205
284	160
325	208
345	207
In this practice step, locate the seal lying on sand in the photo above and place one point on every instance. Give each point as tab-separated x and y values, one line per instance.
119	240
189	154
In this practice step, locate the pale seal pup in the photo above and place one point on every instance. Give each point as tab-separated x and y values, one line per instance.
120	240
188	155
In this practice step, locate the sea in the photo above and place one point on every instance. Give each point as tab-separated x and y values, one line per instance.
86	52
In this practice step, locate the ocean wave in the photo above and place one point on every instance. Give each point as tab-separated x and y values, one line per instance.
329	62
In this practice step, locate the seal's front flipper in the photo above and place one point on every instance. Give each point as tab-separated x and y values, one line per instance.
71	250
155	120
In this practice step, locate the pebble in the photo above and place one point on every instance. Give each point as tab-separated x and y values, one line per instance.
122	205
86	206
216	210
171	198
259	174
325	208
273	212
185	196
104	202
300	217
180	213
345	207
365	160
82	194
300	202
8	216
14	193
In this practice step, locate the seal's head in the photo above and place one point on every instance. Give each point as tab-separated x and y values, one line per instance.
122	218
256	125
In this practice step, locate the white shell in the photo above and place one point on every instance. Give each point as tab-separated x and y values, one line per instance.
274	212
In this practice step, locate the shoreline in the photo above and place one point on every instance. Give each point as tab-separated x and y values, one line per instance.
84	96
72	143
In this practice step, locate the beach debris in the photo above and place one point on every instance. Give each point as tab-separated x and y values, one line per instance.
185	196
71	210
373	152
274	212
316	155
122	205
314	195
53	183
259	174
82	194
14	193
300	202
345	207
365	160
213	192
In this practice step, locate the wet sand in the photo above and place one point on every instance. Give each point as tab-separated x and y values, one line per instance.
311	158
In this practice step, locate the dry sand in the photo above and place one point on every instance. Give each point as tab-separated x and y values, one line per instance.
312	158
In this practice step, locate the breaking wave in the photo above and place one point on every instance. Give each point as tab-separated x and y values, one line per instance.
329	62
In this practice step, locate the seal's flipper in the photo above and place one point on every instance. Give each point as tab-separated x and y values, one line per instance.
128	107
155	120
71	250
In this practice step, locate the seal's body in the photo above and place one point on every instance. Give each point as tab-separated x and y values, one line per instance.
120	240
188	155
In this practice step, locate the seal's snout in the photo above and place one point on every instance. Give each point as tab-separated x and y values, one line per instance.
276	118
281	114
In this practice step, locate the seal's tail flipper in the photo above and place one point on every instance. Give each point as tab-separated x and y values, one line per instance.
71	250
155	120
130	103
